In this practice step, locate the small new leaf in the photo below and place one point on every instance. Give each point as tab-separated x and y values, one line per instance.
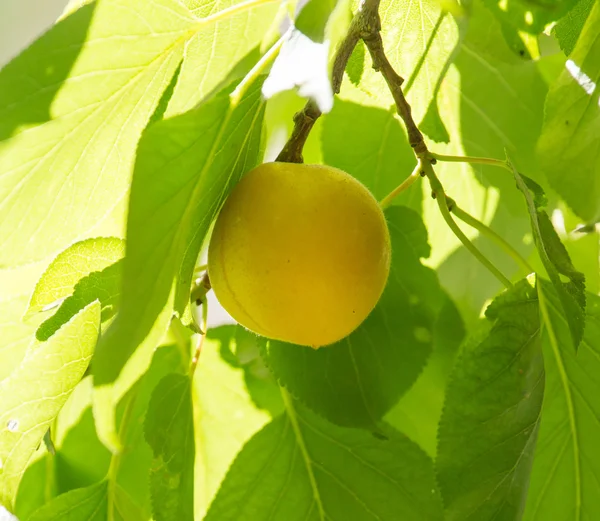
557	262
70	266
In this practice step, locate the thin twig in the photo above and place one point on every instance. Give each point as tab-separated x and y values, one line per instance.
440	196
467	218
374	43
407	183
306	118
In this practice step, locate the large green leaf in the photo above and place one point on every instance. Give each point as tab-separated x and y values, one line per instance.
565	481
93	96
232	401
212	51
302	468
417	413
357	380
185	167
494	399
90	504
169	430
568	150
15	335
530	16
33	394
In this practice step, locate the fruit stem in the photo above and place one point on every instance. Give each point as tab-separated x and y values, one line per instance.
440	196
407	183
200	342
486	230
305	119
470	159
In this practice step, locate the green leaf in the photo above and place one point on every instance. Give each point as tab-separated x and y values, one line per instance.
88	503
102	285
32	396
556	260
567	149
15	335
108	65
564	481
417	413
531	17
216	47
569	27
376	152
313	18
169	430
202	154
488	100
232	401
300	467
136	458
357	380
356	63
70	266
125	509
493	400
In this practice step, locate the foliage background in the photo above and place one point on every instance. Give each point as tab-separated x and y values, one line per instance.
438	407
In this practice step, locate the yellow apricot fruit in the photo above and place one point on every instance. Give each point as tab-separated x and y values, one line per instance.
299	253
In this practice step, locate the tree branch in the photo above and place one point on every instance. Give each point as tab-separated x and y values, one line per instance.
306	118
374	43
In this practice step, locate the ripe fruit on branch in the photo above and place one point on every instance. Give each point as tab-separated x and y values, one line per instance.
299	253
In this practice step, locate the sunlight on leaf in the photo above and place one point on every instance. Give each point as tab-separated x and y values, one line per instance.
568	150
213	50
232	401
300	467
64	175
202	154
32	396
70	266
